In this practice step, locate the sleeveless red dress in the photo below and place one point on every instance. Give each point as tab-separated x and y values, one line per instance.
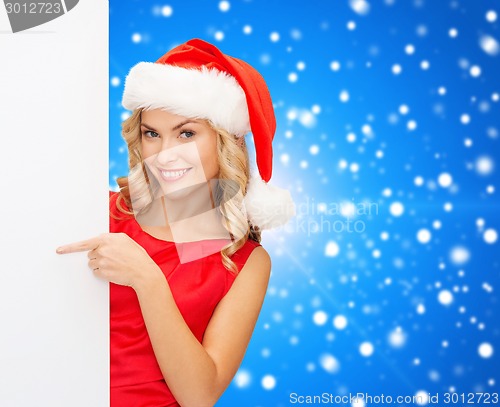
197	287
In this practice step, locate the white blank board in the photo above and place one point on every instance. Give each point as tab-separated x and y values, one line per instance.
54	313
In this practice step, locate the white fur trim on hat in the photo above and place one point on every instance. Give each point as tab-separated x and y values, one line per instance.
195	93
267	206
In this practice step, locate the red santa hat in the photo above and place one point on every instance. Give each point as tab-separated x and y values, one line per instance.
197	80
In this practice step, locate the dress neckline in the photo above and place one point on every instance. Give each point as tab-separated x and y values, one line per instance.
150	236
137	224
204	241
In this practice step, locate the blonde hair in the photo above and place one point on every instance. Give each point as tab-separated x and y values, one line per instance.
234	173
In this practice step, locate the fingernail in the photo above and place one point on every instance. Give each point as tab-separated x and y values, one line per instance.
59	250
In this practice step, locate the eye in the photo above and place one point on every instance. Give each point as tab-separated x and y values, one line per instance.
150	134
187	134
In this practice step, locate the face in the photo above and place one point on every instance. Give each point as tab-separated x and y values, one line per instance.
180	152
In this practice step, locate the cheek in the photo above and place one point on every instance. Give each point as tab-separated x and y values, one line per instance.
209	162
143	149
209	157
210	165
147	150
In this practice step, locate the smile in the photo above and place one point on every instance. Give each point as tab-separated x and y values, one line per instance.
173	175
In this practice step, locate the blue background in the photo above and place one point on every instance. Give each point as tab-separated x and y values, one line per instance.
421	288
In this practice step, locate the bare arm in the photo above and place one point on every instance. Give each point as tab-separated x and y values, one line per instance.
197	374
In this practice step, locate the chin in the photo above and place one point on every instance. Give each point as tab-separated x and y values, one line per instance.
181	191
176	194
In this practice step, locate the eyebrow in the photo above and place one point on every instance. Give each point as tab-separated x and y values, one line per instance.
174	128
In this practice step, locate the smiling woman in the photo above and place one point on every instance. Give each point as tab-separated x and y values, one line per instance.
187	271
173	164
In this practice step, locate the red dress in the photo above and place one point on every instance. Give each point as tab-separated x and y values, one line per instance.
197	287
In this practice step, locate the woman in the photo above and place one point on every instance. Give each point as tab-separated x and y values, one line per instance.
188	274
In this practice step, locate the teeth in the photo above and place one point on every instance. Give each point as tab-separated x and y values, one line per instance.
173	174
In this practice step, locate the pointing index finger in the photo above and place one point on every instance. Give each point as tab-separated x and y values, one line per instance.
81	246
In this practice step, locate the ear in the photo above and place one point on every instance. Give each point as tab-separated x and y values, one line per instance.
240	140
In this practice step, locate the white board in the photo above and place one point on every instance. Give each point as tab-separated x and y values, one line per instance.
54	318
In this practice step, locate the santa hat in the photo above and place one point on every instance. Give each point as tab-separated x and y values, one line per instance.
197	80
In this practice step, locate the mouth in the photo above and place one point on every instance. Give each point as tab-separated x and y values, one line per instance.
173	175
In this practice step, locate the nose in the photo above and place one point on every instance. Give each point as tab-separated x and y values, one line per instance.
169	154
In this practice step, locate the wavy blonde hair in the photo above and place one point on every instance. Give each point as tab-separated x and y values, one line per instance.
234	173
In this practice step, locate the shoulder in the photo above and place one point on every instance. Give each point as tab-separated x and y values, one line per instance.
116	199
259	257
118	209
251	250
257	264
249	286
113	196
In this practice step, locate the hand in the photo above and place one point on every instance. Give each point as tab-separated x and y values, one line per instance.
117	258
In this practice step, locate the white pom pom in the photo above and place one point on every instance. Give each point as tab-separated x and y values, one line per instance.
267	206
